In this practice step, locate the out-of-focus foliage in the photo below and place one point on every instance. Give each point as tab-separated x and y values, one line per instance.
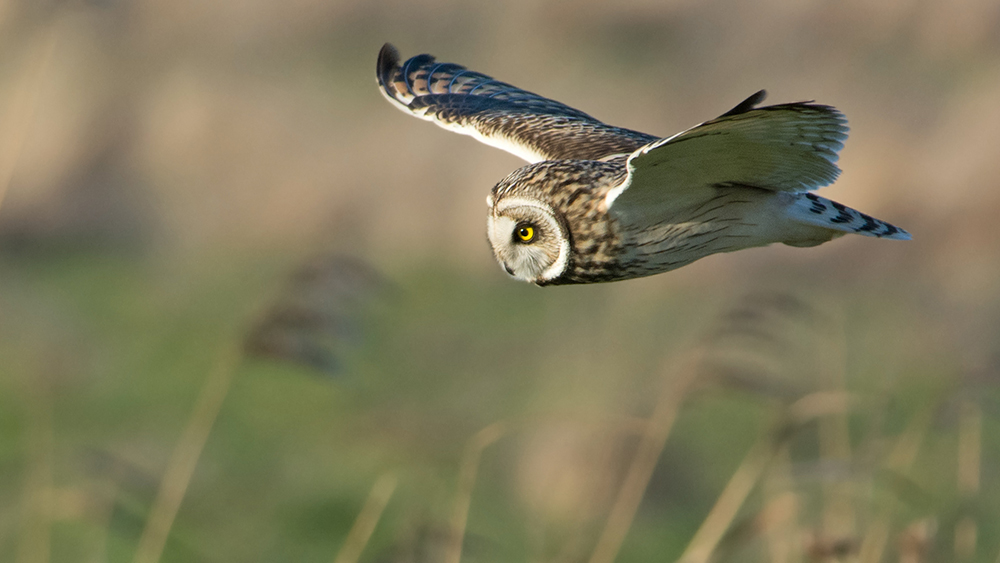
180	180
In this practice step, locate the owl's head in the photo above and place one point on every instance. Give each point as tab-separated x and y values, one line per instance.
528	239
542	214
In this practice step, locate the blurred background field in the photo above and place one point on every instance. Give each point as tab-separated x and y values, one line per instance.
214	231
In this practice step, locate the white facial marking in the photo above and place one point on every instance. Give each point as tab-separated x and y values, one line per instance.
559	266
544	258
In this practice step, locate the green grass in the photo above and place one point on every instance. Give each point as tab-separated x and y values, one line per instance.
117	352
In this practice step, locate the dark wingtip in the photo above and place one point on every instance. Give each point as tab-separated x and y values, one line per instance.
388	62
747	104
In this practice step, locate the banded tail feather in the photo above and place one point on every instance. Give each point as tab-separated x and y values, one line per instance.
812	209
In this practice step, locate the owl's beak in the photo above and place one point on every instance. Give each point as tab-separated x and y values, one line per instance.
506	267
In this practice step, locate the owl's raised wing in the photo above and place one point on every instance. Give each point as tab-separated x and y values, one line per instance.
786	147
498	114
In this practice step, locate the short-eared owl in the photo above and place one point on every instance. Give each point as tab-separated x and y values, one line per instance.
601	203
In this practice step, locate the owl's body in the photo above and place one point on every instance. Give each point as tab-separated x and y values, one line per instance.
601	203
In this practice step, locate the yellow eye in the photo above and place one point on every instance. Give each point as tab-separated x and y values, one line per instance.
525	233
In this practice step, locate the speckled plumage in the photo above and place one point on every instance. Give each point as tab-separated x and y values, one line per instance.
576	190
602	203
473	103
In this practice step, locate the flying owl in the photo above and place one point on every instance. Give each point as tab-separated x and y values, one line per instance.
600	203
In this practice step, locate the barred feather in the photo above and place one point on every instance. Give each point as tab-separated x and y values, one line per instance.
821	212
501	115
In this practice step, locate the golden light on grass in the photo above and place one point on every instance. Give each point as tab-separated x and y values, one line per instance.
705	541
719	519
467	472
187	452
834	435
900	459
643	463
781	526
364	524
781	508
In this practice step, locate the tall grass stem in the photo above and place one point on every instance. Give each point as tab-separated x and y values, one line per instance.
368	518
467	473
651	445
185	457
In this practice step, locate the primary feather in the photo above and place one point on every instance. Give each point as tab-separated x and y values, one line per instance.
530	126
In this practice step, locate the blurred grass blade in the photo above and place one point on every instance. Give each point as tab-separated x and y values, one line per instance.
970	434
466	483
21	112
834	433
748	474
644	462
185	458
780	533
371	513
900	459
714	527
36	526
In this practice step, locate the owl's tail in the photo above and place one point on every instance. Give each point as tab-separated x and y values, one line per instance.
812	209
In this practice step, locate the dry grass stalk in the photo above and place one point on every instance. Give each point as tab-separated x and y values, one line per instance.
747	475
466	483
36	527
648	452
970	434
472	457
364	524
185	458
835	438
778	521
900	460
781	533
914	542
714	527
21	113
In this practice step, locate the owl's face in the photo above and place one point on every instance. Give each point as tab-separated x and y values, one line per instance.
528	239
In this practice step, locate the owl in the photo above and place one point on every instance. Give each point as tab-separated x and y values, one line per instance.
600	203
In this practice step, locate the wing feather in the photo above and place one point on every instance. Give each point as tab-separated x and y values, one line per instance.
786	147
530	126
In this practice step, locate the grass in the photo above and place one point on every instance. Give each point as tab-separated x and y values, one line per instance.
151	409
275	459
20	115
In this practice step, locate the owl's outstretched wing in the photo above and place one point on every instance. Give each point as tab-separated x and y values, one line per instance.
786	147
498	114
